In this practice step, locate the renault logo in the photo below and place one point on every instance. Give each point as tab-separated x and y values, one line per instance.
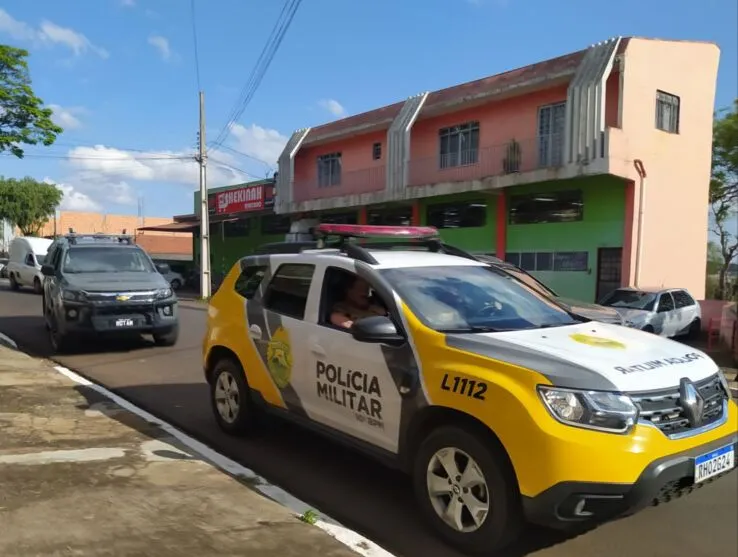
691	401
122	298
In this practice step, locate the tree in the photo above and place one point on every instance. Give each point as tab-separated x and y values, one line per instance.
724	191
714	258
28	203
23	117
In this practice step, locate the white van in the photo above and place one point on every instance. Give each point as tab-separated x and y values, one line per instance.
27	254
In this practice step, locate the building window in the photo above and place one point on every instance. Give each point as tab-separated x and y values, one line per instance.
236	228
275	224
395	216
377	151
551	120
667	112
539	208
457	215
561	261
459	145
339	218
329	170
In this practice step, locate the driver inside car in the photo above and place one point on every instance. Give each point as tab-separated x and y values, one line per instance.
355	304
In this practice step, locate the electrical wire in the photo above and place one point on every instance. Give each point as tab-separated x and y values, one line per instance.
237	152
259	71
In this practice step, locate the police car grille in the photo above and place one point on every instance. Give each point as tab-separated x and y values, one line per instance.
663	410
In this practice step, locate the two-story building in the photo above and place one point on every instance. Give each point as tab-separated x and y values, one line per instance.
590	170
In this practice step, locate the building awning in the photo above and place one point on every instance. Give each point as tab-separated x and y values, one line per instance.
172	227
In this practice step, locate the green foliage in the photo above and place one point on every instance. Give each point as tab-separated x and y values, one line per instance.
27	203
724	194
714	258
309	516
23	118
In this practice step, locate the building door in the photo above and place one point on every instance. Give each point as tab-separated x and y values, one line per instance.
609	269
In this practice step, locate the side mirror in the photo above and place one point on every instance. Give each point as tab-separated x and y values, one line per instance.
47	270
376	329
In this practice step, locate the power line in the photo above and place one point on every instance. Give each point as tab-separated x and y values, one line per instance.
262	65
111	159
237	152
231	167
194	42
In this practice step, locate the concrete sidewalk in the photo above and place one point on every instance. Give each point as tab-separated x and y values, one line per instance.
81	476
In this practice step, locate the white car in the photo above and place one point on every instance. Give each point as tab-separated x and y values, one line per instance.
27	255
668	312
173	278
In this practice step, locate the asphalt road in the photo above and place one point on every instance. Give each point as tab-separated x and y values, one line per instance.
363	495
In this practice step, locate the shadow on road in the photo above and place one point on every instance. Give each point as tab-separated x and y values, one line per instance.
358	492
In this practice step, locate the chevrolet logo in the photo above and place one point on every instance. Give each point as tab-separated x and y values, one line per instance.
122	298
691	401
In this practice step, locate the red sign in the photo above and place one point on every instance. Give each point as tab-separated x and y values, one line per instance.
240	200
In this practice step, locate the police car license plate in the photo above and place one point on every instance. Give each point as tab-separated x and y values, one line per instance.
124	322
716	462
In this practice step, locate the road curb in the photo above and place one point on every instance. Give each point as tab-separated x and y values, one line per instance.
350	538
7	342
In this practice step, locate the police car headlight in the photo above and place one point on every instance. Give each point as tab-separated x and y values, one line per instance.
724	383
74	295
164	293
601	411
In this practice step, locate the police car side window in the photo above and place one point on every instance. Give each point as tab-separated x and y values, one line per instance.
287	292
249	280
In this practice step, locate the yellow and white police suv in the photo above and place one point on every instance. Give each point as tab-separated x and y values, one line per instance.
502	406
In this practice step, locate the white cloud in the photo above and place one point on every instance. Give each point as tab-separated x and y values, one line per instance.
333	106
50	34
162	45
74	200
110	165
67	118
261	143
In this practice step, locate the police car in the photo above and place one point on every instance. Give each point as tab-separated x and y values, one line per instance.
502	406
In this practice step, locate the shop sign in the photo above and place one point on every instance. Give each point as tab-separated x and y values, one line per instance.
242	200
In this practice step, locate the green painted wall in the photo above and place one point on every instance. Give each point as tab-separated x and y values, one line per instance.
601	226
477	239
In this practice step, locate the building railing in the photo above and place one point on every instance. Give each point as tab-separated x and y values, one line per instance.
364	180
515	156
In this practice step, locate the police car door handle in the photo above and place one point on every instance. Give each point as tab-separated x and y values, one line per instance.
318	350
255	332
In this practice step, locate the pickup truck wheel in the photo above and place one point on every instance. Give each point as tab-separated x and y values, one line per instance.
695	328
13	282
37	288
648	329
467	490
59	341
230	398
167	339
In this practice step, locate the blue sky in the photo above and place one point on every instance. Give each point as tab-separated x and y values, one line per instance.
122	76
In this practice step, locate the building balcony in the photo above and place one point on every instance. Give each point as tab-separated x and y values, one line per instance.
354	182
514	157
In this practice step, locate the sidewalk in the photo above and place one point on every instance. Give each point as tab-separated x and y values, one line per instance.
81	476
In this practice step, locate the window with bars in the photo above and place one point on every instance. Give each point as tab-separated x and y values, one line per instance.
376	151
459	145
329	170
667	112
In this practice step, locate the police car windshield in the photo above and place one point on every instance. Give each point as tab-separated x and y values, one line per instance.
630	299
106	260
460	299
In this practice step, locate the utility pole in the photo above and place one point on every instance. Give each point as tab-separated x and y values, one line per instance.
205	281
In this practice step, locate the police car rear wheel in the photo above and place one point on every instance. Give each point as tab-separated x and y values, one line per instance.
230	398
467	491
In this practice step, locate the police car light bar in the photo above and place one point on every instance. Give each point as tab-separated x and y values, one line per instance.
374	231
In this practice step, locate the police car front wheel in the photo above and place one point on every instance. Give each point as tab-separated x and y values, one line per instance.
467	490
229	394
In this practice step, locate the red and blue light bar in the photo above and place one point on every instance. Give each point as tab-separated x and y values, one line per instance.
375	231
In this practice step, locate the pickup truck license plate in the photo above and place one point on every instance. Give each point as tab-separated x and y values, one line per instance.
716	462
124	322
